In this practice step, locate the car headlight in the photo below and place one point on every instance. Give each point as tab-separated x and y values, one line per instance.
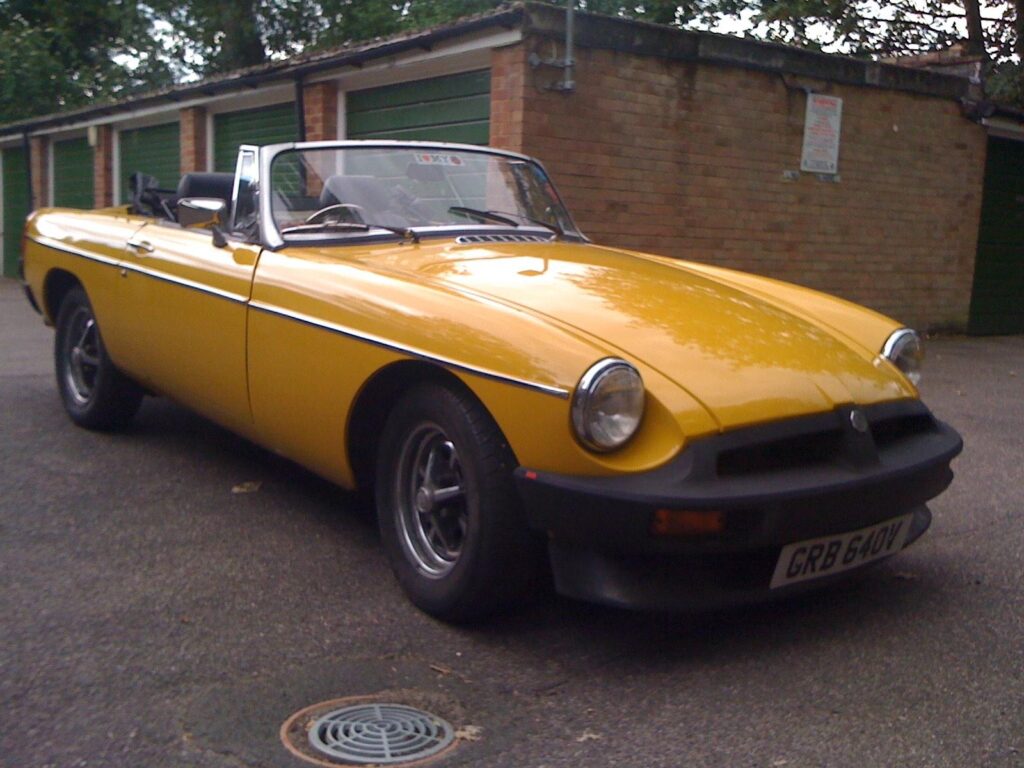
608	404
905	350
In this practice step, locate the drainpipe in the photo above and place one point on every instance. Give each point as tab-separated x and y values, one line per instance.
568	84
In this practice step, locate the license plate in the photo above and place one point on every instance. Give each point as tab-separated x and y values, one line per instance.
815	558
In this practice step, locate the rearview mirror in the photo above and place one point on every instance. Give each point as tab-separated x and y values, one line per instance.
205	212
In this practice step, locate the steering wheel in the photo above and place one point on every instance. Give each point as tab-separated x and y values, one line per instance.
318	216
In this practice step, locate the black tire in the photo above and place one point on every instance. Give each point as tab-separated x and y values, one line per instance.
459	555
95	394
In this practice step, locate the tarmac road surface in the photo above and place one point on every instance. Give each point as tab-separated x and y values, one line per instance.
151	617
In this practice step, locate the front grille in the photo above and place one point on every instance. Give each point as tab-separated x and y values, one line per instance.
836	445
797	452
888	432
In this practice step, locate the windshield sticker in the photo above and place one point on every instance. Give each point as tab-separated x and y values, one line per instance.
425	158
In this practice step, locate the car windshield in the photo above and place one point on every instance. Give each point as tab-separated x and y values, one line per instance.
344	191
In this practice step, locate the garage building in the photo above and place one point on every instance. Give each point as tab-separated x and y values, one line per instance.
681	143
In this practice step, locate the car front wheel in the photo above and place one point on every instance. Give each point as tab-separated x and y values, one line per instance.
95	394
449	513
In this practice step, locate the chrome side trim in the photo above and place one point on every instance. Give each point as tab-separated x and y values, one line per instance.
307	320
184	282
56	245
412	352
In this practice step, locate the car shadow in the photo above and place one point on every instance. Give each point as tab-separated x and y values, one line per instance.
176	432
574	633
581	636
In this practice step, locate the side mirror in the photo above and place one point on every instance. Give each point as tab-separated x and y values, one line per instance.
205	212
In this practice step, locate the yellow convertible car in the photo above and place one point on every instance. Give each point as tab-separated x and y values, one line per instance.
426	321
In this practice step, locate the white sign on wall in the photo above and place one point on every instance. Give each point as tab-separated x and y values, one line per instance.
821	134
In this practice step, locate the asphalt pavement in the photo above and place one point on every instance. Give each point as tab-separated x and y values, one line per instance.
150	616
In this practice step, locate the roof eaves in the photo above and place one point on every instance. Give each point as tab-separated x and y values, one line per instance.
647	39
287	69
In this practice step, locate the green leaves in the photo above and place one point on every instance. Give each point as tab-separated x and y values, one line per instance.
62	54
65	53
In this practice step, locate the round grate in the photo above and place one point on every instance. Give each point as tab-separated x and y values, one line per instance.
379	734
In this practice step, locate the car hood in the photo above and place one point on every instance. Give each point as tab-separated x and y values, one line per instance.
744	357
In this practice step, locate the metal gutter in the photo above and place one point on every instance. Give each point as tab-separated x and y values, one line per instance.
646	39
290	70
543	20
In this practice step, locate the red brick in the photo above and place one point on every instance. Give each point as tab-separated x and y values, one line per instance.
193	139
39	163
102	168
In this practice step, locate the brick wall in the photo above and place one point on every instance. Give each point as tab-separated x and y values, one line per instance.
39	163
103	168
193	139
320	110
687	159
508	97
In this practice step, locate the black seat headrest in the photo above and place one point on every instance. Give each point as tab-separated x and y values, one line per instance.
217	185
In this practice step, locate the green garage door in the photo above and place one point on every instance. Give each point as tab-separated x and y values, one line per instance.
155	151
266	125
452	108
997	300
72	173
15	207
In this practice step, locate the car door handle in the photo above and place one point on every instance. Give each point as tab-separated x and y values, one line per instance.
142	246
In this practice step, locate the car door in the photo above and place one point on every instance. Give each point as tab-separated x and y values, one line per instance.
186	303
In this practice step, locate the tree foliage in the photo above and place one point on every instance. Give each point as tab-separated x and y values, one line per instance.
60	54
894	28
991	29
66	53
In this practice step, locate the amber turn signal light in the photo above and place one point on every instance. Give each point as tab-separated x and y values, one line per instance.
686	522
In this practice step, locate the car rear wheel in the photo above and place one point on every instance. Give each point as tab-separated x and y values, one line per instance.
95	394
449	513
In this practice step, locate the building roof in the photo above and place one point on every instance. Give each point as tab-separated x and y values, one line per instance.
533	18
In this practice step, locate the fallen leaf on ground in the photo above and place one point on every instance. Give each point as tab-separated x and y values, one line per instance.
249	486
469	733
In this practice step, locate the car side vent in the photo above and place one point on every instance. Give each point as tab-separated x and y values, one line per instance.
796	452
476	239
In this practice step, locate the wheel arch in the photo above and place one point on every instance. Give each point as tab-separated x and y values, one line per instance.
55	287
374	402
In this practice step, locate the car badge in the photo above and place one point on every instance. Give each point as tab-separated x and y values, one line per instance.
858	420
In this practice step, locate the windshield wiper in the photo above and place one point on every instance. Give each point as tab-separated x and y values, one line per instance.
546	224
404	232
502	217
485	215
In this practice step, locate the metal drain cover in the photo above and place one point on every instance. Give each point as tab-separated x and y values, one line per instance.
379	734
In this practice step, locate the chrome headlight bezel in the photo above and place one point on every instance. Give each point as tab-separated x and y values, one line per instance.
905	349
595	429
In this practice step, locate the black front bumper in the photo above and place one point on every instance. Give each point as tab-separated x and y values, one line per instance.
774	484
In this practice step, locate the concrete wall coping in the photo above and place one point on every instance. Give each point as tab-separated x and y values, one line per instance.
646	39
